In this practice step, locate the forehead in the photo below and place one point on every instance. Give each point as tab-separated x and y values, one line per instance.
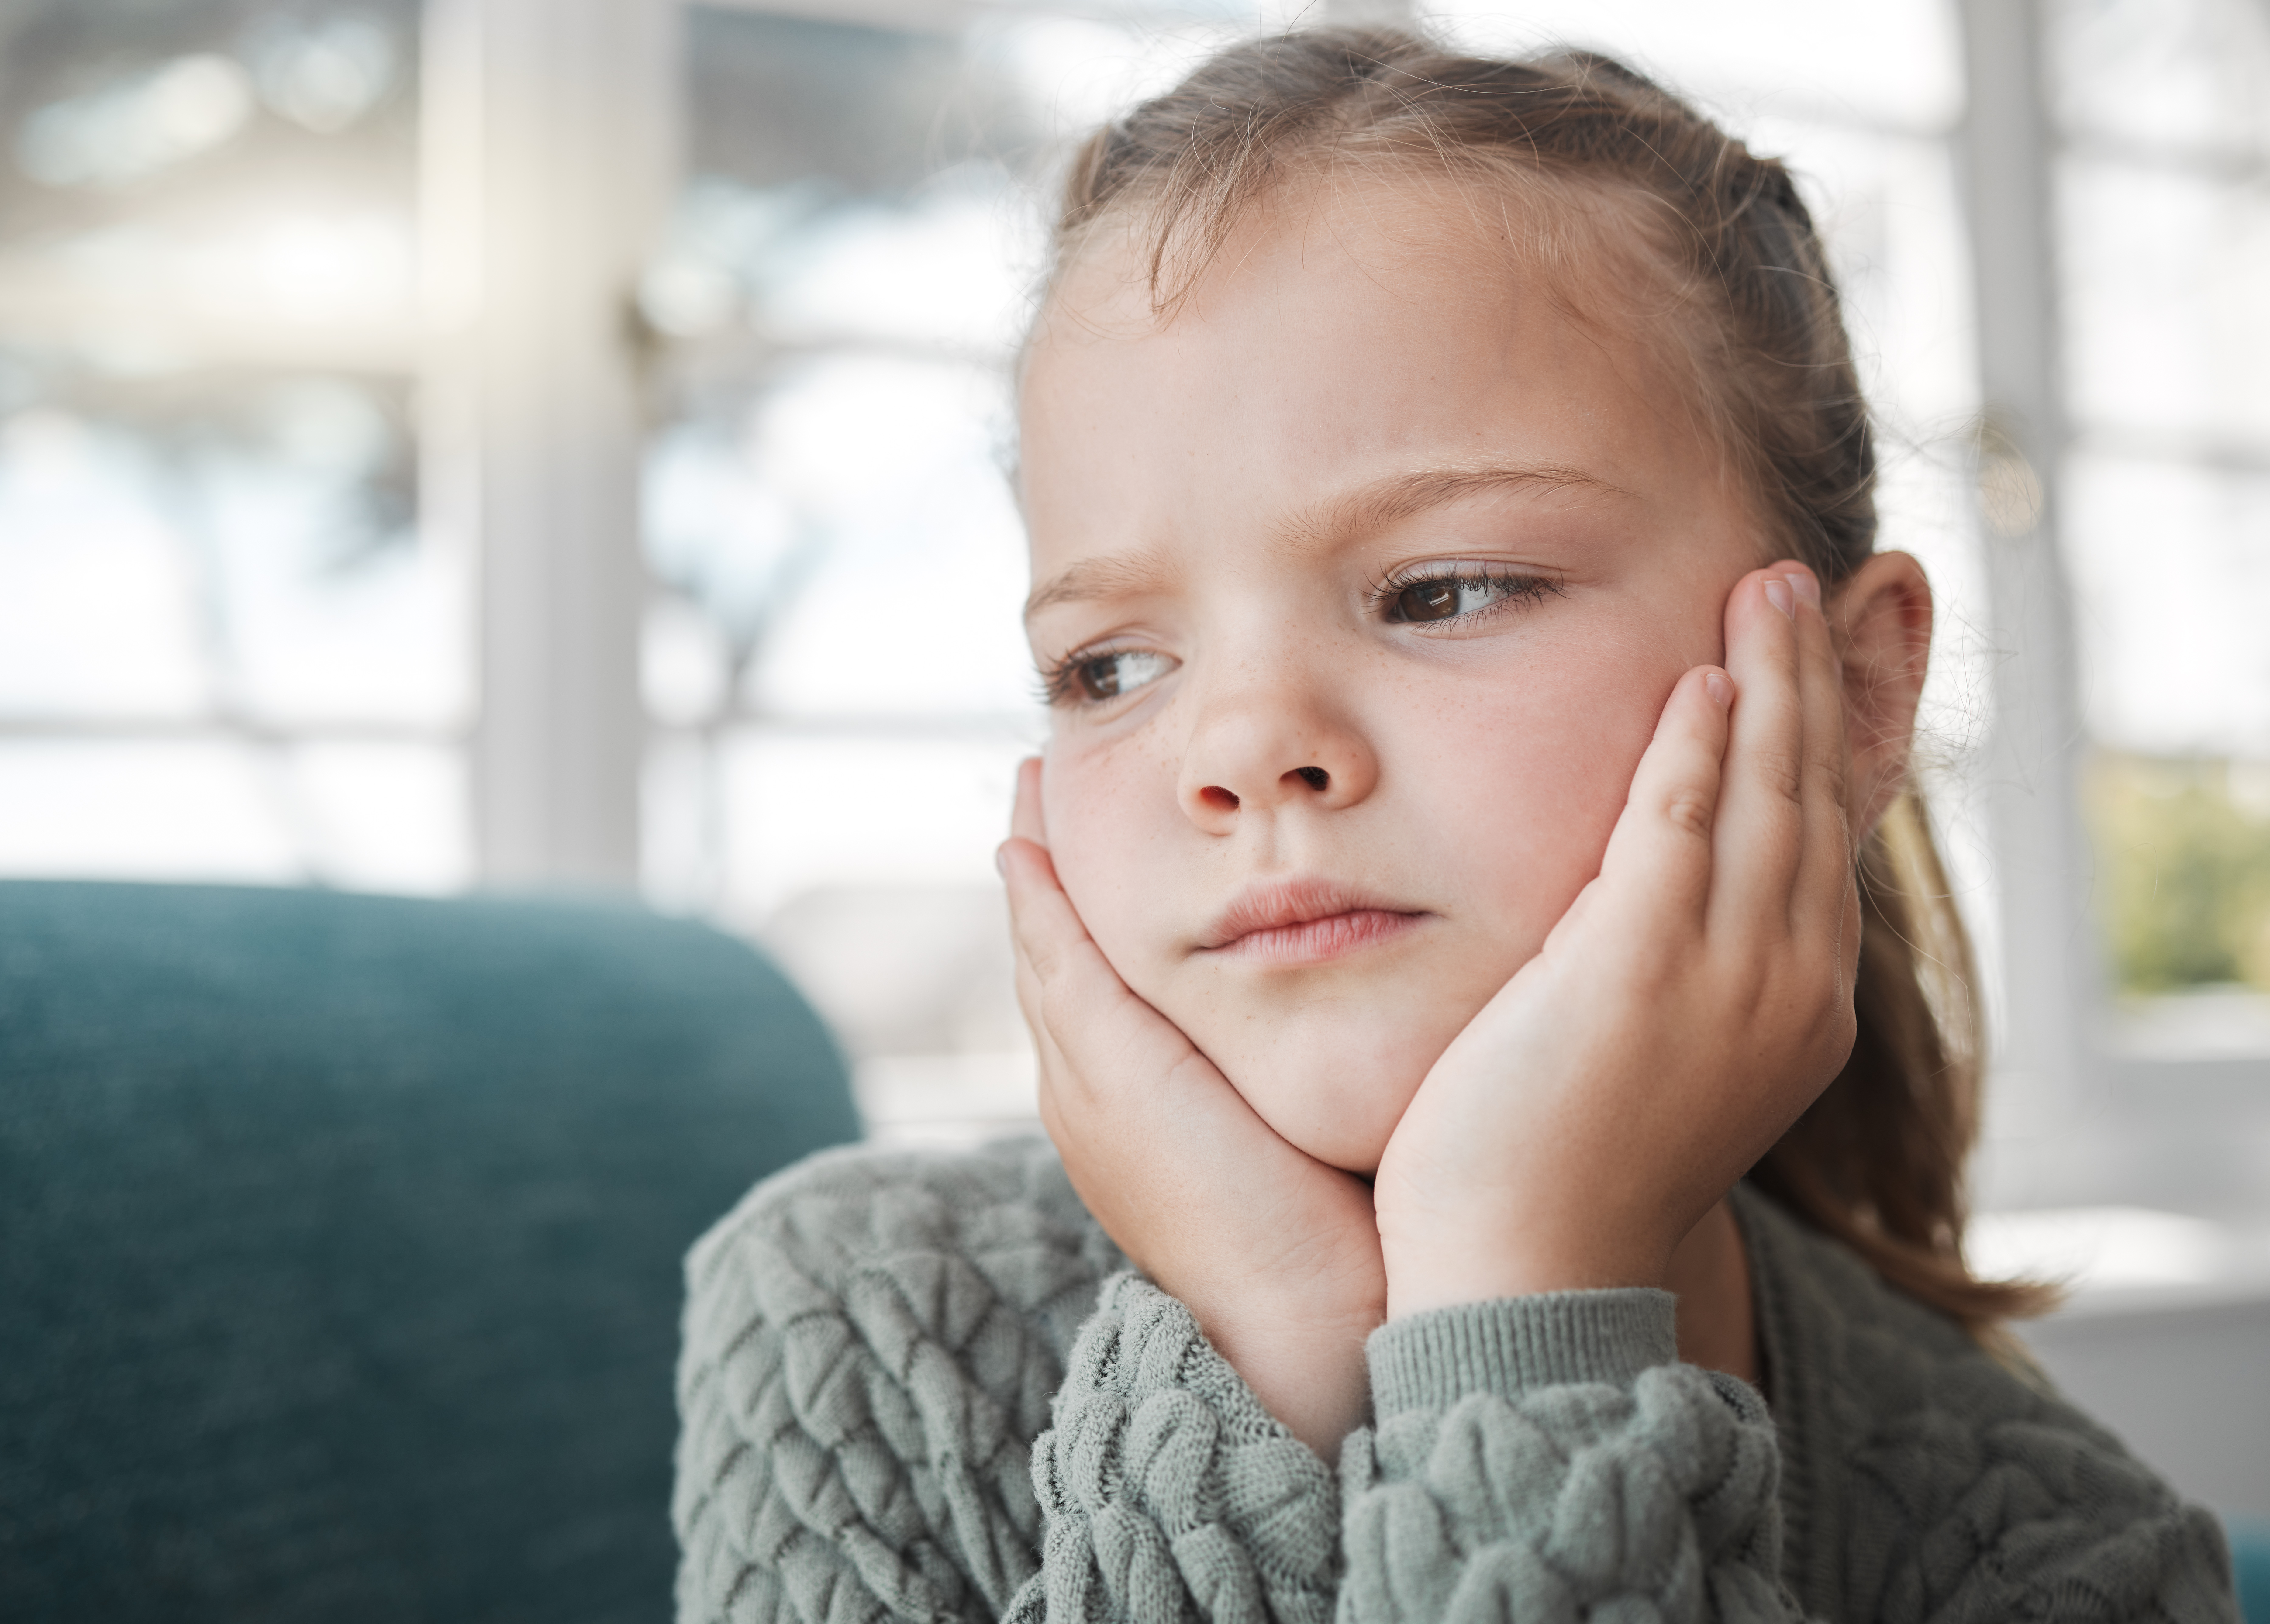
1346	332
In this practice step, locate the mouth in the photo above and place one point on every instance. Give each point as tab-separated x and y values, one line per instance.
1301	922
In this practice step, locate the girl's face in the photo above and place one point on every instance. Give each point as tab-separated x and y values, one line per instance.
1361	582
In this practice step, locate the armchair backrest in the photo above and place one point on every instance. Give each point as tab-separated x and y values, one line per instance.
340	1244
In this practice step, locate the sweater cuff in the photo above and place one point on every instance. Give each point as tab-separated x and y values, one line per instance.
1513	1346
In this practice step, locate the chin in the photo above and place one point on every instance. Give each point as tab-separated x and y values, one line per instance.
1330	1091
1330	1058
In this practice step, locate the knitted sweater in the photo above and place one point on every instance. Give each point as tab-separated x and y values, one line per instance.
926	1387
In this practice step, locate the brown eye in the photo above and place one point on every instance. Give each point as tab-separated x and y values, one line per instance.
1428	600
1107	676
1445	598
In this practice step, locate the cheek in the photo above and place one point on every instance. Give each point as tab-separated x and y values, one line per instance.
1101	807
1533	769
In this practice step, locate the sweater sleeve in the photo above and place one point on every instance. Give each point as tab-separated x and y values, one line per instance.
870	1343
1547	1458
1166	1491
1536	1458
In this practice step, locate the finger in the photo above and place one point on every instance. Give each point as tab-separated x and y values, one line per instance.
1825	876
1043	925
1079	1003
1025	824
1042	920
1047	1052
1658	865
1570	924
1025	813
1759	839
1115	1074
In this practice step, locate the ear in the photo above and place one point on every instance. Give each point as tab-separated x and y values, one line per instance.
1881	618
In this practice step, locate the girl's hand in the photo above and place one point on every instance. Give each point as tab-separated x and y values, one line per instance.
1273	1251
1690	1005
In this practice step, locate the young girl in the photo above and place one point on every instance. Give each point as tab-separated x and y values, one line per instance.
1501	1030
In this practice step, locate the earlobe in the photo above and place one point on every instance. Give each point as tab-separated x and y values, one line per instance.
1881	614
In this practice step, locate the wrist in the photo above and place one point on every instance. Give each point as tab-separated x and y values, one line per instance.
1310	1373
1272	1313
1303	1355
1484	1263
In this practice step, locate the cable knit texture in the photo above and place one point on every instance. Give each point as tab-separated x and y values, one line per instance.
924	1387
1576	1472
1168	1491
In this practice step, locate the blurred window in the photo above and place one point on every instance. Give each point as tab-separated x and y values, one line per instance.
223	650
232	647
2162	113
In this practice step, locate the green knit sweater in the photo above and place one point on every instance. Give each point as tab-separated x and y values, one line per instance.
926	1387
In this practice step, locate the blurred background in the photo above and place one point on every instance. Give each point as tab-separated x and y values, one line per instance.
539	442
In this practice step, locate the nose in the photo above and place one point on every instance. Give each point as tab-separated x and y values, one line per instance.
1261	747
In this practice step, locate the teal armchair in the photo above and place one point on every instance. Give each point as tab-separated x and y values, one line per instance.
340	1244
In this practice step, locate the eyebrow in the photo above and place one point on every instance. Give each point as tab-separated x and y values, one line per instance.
1398	497
1372	507
1115	575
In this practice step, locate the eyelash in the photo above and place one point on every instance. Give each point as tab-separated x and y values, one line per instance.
1060	683
1513	588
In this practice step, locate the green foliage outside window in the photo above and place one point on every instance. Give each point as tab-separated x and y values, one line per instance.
2184	871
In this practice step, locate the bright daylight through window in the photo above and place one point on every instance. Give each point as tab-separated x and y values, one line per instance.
224	650
279	601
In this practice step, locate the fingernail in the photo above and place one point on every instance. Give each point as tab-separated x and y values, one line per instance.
1001	859
1719	688
1807	587
1778	595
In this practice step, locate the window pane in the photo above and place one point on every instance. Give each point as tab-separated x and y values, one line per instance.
381	816
145	810
231	169
2165	248
1893	62
100	609
2172	571
2163	74
239	547
2167	332
833	464
225	651
2171	567
2185	893
868	861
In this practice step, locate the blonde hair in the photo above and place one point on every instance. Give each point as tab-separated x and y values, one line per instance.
1726	262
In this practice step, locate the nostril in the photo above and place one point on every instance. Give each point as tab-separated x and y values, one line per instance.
1218	798
1314	777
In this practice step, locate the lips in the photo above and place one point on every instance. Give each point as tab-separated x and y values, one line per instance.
1305	922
